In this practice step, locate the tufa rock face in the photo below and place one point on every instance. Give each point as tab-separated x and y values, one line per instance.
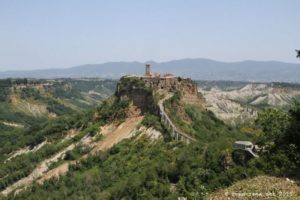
133	88
142	90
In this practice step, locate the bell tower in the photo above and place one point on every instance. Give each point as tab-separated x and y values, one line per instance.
147	70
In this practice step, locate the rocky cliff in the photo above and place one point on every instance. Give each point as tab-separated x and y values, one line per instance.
146	91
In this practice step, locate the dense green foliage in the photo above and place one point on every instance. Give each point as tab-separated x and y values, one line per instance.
200	123
279	136
152	121
53	131
5	86
34	128
39	129
113	110
76	91
272	122
141	170
146	170
127	84
77	152
280	139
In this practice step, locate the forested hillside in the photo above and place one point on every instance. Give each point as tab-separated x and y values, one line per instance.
139	168
26	102
122	150
30	109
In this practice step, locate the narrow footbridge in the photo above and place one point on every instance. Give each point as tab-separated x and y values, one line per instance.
175	133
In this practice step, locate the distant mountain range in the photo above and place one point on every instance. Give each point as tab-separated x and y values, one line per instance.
200	69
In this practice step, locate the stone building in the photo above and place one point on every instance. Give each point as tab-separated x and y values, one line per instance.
168	82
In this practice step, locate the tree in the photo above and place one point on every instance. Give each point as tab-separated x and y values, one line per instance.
282	130
273	123
298	53
293	133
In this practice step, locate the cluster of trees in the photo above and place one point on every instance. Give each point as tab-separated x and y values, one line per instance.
153	121
77	152
72	90
53	131
277	131
33	130
199	122
12	113
280	138
52	104
127	84
141	170
5	85
113	109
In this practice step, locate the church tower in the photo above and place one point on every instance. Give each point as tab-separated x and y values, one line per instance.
147	70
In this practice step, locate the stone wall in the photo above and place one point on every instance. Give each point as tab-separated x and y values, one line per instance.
171	84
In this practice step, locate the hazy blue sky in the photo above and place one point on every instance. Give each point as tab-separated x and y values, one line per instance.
63	33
